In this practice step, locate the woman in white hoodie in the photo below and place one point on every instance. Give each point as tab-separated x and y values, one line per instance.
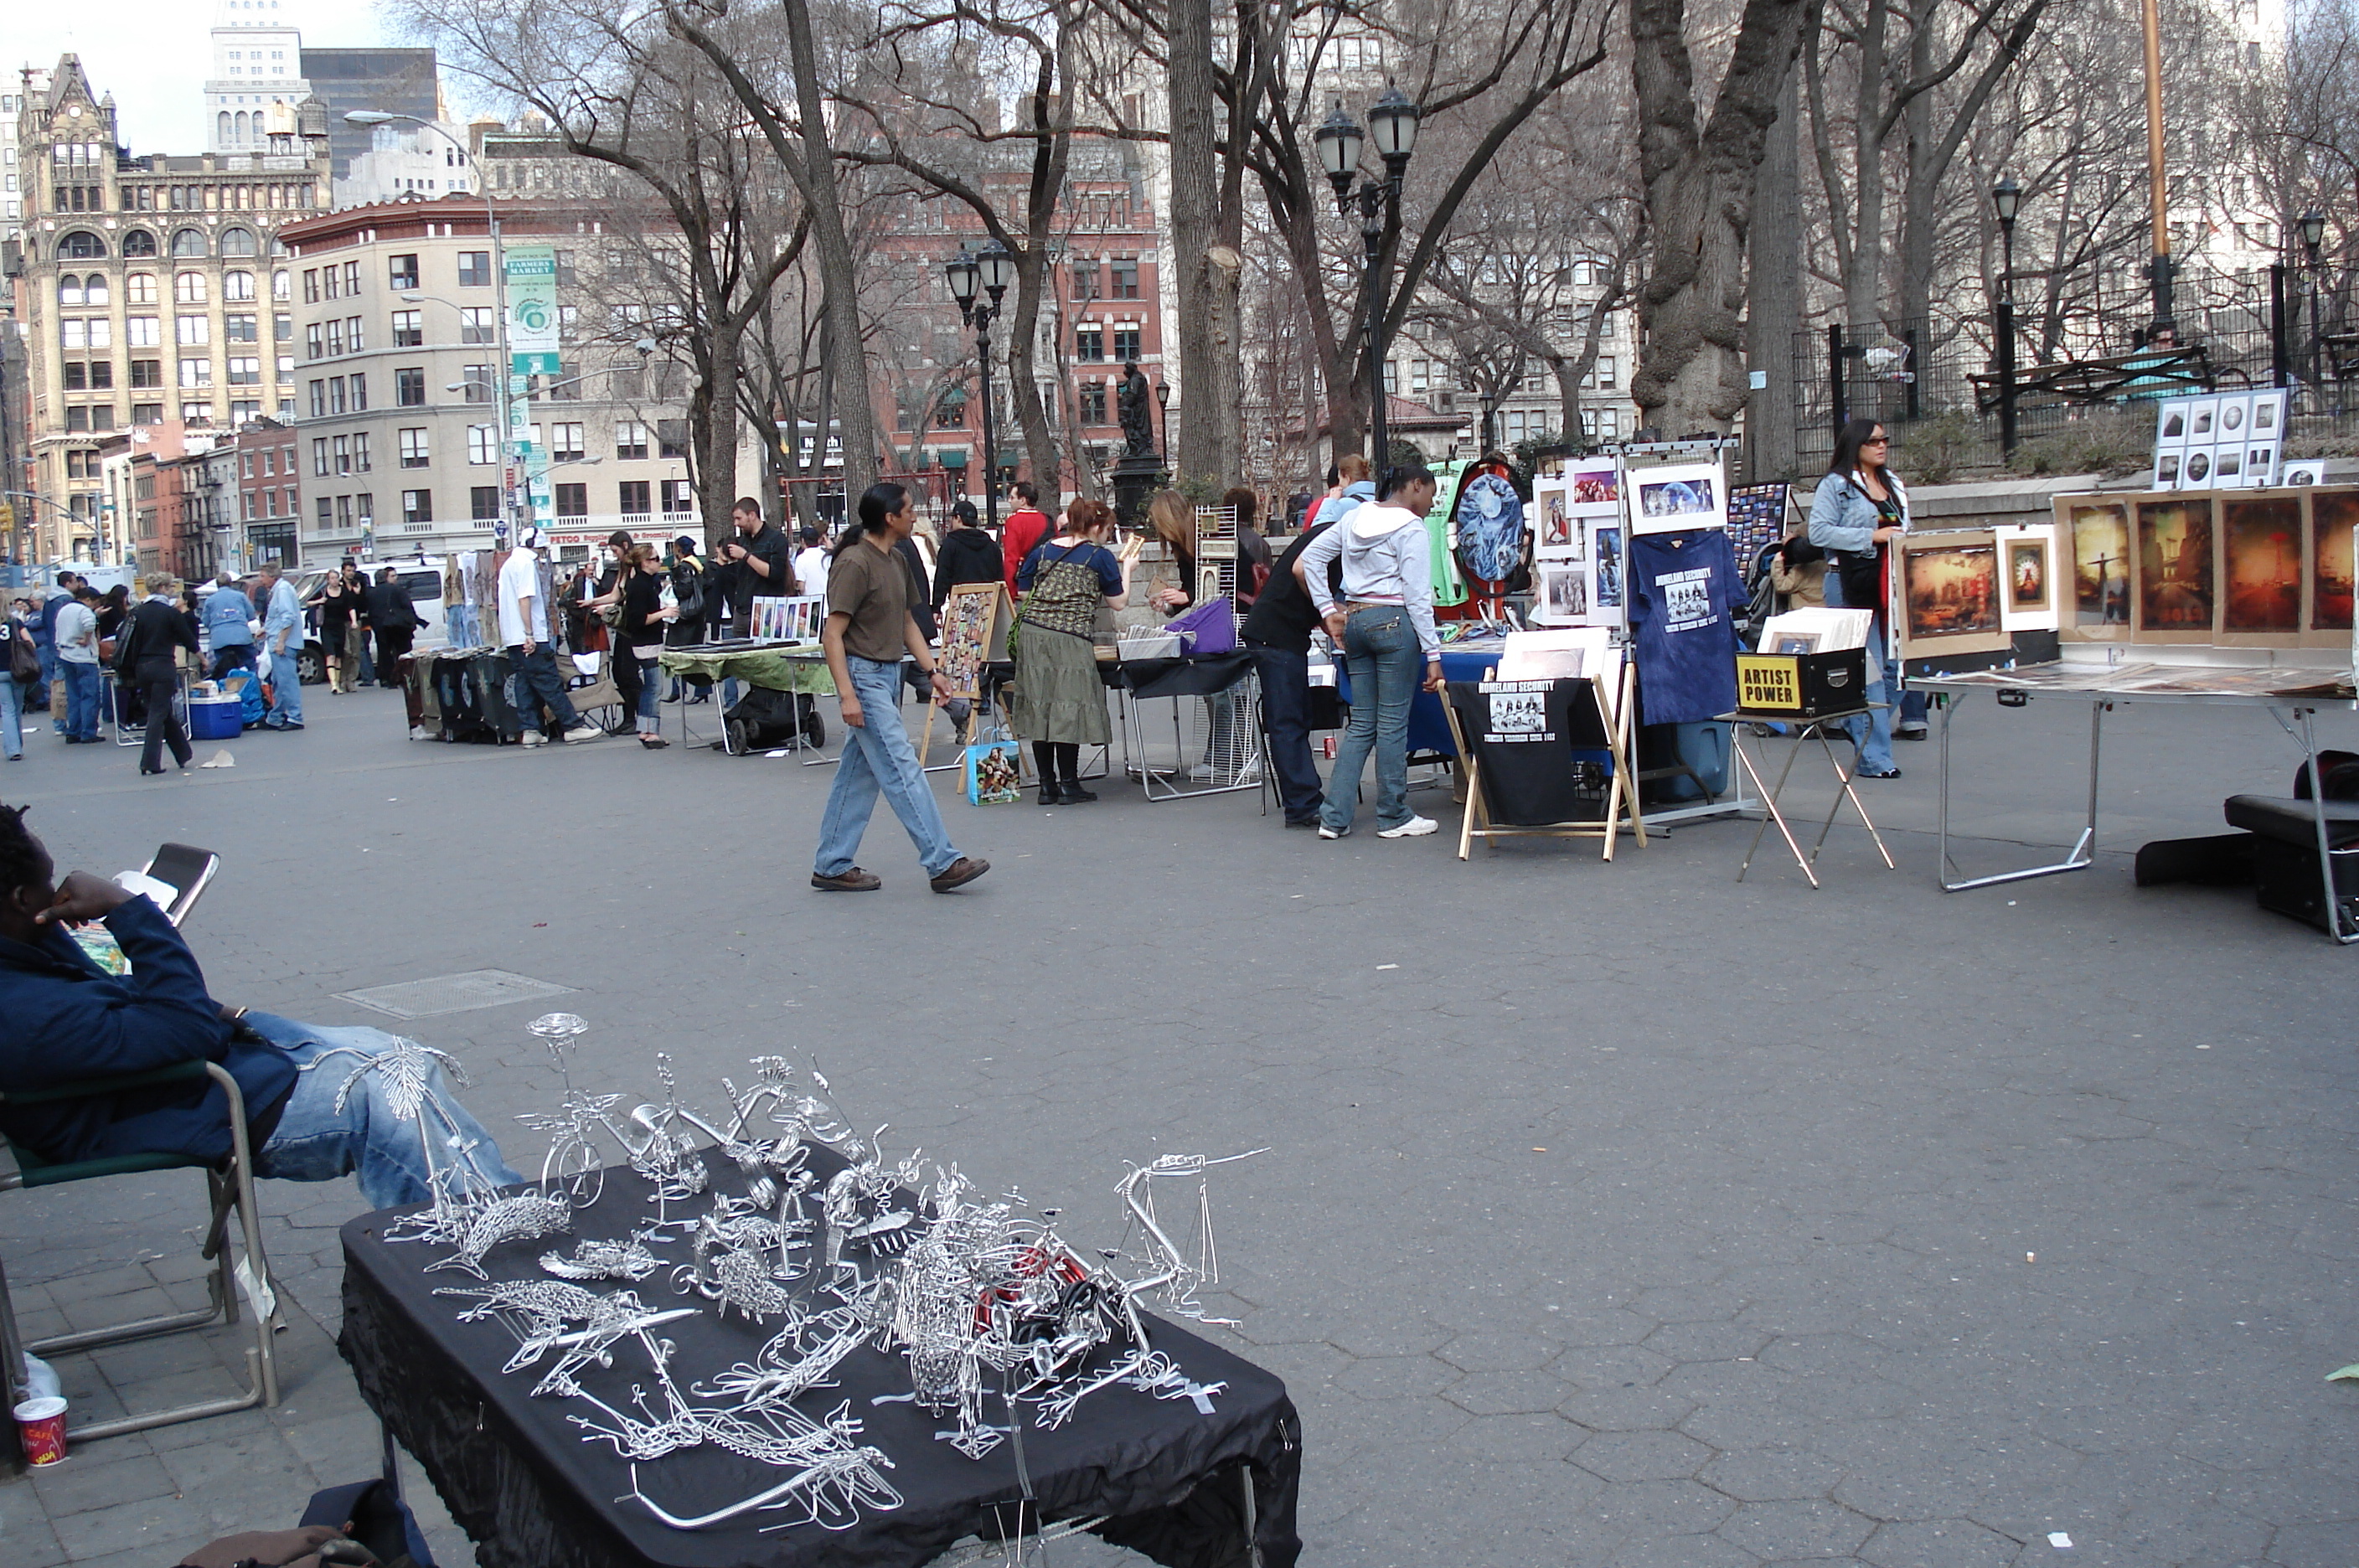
1384	627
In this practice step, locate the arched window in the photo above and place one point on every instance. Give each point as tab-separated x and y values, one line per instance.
188	242
139	242
224	127
237	242
241	129
93	289
237	286
70	290
282	285
188	288
139	289
82	245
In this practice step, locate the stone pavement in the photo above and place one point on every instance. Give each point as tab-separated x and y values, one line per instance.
1614	1214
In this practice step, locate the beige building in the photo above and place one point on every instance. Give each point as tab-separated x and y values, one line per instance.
152	290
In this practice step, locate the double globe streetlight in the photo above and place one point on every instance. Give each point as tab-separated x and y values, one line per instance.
993	269
1392	121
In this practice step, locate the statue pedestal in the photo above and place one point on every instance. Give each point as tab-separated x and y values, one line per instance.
1137	477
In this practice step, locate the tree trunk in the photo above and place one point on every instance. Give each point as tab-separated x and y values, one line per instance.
1863	283
712	434
1023	380
1773	297
1699	184
1195	213
855	418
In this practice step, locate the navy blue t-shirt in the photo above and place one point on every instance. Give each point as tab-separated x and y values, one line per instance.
1682	586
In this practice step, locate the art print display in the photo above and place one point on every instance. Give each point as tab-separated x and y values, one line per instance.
2167	464
1562	593
1950	594
2228	466
2261	548
2099	539
2027	588
2171	422
2174	576
1682	589
2331	515
1757	519
1552	504
1490	528
1677	496
2267	422
2197	469
797	619
2307	470
974	632
2260	467
2226	440
1607	605
1595	483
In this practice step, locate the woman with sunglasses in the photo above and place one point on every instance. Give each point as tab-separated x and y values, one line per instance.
1861	508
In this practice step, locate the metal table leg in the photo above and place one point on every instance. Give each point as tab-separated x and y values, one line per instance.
1769	802
2304	731
2084	849
1846	793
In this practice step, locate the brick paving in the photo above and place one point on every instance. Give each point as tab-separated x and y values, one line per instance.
1613	1214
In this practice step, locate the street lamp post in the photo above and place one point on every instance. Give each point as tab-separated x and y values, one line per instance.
2312	224
1392	122
2007	196
994	270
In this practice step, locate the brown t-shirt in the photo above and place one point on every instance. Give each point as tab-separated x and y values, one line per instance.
872	586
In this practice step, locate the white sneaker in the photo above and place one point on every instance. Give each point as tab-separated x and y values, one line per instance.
1416	827
533	737
584	732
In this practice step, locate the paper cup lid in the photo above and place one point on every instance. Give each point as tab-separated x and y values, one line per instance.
41	1409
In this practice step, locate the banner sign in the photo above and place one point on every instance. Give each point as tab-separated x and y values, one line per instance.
531	274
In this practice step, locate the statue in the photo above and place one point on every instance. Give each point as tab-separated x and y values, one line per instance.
1131	399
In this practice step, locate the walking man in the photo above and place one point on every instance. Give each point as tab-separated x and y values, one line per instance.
282	633
228	617
869	625
525	633
395	620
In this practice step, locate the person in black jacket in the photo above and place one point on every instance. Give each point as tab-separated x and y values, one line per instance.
968	554
395	621
1277	634
145	652
756	562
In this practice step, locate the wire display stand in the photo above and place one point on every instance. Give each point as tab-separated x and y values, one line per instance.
1212	744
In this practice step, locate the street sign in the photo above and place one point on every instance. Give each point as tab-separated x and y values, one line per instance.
533	347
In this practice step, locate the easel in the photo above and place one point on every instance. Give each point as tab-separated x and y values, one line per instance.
1621	793
976	619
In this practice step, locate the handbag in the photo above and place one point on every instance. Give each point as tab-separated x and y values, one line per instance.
24	662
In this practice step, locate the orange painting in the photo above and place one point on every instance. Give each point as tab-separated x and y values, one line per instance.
2331	515
2101	564
2263	553
2175	576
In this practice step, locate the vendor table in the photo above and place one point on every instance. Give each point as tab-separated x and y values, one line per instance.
1230	754
799	667
1429	717
1818	728
2104	688
519	1476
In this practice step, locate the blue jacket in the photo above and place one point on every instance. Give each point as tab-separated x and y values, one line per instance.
68	1019
227	615
1336	508
1842	517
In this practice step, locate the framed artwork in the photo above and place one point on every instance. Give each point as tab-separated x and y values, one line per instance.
1563	596
1593	483
1795	642
2173	570
2235	417
2167	464
1949	594
2331	514
1756	519
2096	538
2260	467
1678	495
2203	421
2027	589
2261	554
2171	421
2267	422
2307	471
1606	605
1553	515
2196	472
2228	465
972	633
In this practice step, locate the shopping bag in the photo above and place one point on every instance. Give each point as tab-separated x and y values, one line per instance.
1209	628
993	774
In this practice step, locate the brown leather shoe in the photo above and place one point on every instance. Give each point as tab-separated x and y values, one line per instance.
959	873
851	881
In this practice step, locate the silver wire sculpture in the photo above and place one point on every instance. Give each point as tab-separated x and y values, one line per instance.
978	1297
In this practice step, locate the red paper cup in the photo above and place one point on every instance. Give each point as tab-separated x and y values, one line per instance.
41	1428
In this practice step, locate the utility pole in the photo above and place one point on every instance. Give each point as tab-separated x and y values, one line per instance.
2157	181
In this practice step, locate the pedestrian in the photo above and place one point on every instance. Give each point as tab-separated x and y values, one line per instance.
20	668
394	621
1172	520
1277	634
357	637
1383	622
282	637
1860	508
757	561
56	599
339	609
77	646
968	554
1021	534
1252	550
810	561
867	630
1060	703
691	577
148	654
639	638
227	618
526	630
1348	487
921	578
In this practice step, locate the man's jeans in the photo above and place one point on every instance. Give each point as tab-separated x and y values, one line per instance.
1872	734
314	1141
1381	653
534	682
40	696
285	685
1286	714
82	697
877	756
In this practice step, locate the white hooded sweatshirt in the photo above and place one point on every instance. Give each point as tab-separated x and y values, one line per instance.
1387	560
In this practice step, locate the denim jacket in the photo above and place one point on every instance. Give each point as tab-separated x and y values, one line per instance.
1843	518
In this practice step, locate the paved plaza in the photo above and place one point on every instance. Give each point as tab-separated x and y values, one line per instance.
1613	1214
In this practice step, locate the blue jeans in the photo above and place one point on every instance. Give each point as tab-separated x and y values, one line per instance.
1872	733
314	1141
1381	655
12	730
285	685
82	697
40	695
1286	714
651	695
877	756
535	683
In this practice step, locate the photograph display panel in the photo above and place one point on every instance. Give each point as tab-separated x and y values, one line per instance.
1949	594
1674	497
2173	569
2096	534
2261	550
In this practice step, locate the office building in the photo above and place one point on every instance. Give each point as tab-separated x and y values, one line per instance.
380	81
257	75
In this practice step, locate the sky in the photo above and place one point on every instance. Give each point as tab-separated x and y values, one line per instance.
154	55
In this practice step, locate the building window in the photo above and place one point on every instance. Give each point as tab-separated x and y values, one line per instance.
401	271
82	245
279	287
1089	342
632	497
282	328
139	289
678	496
1126	344
483	503
408	330
336	404
360	452
409	388
196	373
327	514
352	279
76	379
567	444
353	341
630	444
672	438
245	373
475	324
187	242
241	329
360	392
318	457
147	413
237	286
335	339
1085	280
96	331
144	331
197	415
311	286
475	270
1093	403
1606	372
482	445
476	384
414	454
77	418
312	340
1126	277
146	373
418	505
188	288
1419	370
318	400
342	446
573	500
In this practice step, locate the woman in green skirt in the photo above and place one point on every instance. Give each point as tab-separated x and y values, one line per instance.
1059	701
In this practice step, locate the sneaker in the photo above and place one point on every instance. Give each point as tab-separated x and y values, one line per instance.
1416	827
1302	822
958	874
1869	773
582	733
533	737
417	731
1326	832
853	880
1908	732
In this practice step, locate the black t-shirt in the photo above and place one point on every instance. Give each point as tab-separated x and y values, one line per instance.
1523	734
745	582
1284	615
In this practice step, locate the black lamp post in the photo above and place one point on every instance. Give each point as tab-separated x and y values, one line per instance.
1163	401
2007	196
994	270
1392	122
2312	224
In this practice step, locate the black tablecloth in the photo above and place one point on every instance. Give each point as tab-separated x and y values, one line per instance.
520	1480
1200	676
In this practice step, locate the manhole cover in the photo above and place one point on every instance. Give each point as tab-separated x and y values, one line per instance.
452	992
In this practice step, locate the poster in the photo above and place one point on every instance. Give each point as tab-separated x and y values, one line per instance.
1756	519
2096	539
2261	550
2028	593
1552	514
2172	557
1563	593
2332	513
1949	594
1594	484
1675	496
972	633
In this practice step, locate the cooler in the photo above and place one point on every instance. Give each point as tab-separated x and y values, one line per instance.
216	718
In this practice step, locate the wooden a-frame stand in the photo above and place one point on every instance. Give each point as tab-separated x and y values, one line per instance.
1620	797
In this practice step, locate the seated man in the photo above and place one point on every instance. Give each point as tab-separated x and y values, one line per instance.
70	1021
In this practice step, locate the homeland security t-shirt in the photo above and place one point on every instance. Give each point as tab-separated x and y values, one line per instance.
1684	637
1523	734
